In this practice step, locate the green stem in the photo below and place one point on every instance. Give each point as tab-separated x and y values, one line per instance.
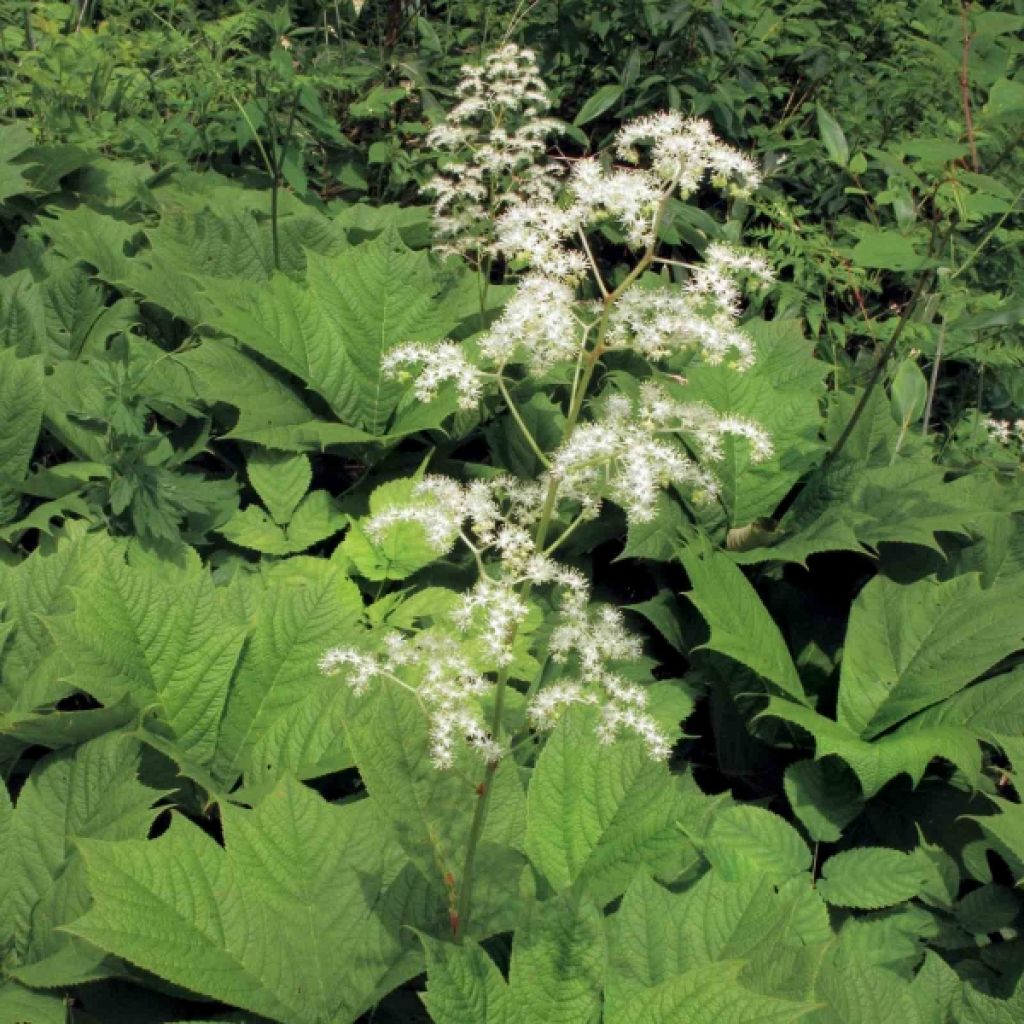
876	374
529	438
581	385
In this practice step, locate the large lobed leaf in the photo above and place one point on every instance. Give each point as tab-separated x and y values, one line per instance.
284	921
332	330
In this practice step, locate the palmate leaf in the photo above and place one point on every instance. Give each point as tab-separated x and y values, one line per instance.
91	791
910	647
22	315
160	637
283	921
870	878
34	591
332	331
597	814
875	762
1006	832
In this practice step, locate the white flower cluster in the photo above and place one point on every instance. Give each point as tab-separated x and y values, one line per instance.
682	149
538	230
493	516
1006	432
444	361
538	326
446	685
623	457
495	138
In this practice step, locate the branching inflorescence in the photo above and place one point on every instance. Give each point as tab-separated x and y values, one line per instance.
497	197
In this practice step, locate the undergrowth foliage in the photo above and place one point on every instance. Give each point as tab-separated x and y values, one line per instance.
587	590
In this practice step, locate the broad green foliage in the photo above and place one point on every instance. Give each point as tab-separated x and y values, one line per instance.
290	876
332	331
594	817
779	776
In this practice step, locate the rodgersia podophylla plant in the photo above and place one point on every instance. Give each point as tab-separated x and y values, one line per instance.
499	197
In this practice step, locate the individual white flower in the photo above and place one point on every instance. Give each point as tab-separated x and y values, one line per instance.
437	364
537	326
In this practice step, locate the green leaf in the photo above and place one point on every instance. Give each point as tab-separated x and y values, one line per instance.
36	590
402	550
279	683
88	792
596	814
876	762
853	993
747	841
911	646
741	626
23	315
1005	99
431	811
884	249
14	140
1006	830
975	1007
280	480
909	392
824	796
21	414
657	935
332	331
86	235
832	136
284	921
709	995
605	98
23	1006
870	878
781	393
159	637
558	963
464	985
316	518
